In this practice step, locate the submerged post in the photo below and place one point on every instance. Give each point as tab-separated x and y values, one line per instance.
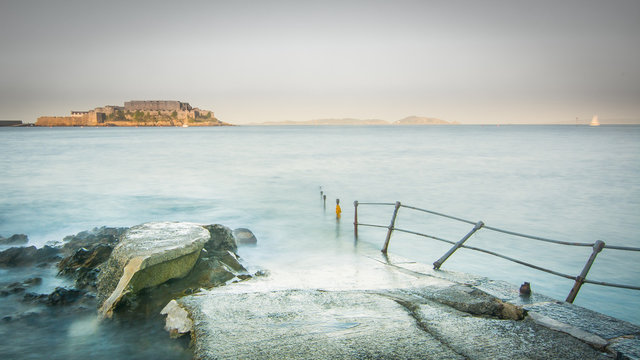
597	247
355	218
437	264
391	227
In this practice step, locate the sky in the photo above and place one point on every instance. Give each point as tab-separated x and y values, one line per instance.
254	61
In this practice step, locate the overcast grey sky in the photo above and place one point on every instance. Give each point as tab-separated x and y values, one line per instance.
253	61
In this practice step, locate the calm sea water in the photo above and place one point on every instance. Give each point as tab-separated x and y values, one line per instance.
562	182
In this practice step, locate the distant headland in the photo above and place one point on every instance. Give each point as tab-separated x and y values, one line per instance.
137	113
410	120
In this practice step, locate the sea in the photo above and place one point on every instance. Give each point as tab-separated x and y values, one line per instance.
568	183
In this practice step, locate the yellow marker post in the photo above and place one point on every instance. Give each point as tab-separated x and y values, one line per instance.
338	209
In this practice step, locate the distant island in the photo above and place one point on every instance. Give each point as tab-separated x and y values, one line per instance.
137	113
11	123
410	120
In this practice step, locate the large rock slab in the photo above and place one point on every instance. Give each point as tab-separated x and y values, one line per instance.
303	324
416	323
146	256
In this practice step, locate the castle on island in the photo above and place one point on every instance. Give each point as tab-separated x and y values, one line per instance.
137	113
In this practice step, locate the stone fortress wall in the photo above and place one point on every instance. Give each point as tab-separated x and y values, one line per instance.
156	105
181	112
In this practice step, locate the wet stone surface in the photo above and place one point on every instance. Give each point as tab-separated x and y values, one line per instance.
400	324
585	319
308	324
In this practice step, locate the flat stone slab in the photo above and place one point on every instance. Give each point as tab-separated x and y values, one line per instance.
378	324
307	324
148	255
403	312
161	241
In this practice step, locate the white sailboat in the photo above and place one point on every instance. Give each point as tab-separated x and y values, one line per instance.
594	121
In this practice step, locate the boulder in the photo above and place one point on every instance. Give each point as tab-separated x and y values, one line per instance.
476	302
63	296
178	322
88	239
244	236
85	258
26	256
83	264
15	239
146	256
221	239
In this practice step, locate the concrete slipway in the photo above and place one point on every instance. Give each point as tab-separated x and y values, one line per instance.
390	308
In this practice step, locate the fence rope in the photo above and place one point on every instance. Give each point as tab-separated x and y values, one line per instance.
597	246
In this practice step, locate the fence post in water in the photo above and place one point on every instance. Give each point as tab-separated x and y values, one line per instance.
437	264
597	247
391	227
324	199
355	218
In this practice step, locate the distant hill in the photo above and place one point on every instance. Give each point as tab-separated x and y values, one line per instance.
346	121
410	120
419	120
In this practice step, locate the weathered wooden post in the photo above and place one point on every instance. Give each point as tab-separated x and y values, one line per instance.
437	264
355	218
391	227
324	199
597	247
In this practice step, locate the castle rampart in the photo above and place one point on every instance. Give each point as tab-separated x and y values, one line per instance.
156	105
137	113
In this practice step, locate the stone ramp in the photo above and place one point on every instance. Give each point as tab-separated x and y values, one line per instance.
398	324
430	315
308	324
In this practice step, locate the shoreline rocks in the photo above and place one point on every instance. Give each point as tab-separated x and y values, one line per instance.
27	256
15	239
163	269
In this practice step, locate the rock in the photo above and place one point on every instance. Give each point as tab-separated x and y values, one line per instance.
63	296
34	297
19	287
178	322
474	301
82	265
11	289
231	260
88	239
221	239
211	270
146	256
209	273
25	256
85	258
32	281
244	236
87	278
16	239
